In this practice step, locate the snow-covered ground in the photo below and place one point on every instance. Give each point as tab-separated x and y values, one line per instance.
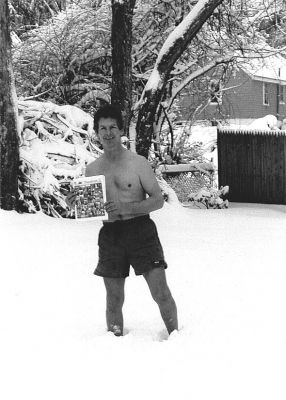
226	271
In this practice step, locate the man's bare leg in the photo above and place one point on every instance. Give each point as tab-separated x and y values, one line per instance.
161	293
114	303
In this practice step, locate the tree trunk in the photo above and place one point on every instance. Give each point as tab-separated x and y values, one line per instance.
172	49
121	41
9	146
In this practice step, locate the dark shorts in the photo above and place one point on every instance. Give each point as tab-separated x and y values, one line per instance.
131	242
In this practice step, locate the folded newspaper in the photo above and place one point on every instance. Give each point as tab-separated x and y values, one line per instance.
90	199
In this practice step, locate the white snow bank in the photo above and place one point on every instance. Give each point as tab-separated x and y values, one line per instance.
227	274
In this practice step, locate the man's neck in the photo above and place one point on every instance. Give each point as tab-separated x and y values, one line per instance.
114	155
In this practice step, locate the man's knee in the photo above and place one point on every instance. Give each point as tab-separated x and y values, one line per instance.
162	295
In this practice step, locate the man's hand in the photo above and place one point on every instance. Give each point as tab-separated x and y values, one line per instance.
117	208
71	199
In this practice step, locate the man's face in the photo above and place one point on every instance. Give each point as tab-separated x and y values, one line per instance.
108	132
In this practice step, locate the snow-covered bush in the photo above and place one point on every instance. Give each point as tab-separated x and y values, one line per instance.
210	197
68	58
186	143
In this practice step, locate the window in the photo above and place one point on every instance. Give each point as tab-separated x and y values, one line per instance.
281	94
266	94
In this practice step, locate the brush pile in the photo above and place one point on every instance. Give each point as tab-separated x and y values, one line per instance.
56	143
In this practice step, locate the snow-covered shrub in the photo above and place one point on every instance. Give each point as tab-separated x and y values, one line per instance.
67	58
210	197
184	145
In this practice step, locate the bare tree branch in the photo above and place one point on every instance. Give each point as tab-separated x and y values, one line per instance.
198	73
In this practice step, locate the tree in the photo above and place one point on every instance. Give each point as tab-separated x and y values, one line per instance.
121	42
172	49
9	146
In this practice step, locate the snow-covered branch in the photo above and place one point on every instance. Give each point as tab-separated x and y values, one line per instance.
181	36
181	69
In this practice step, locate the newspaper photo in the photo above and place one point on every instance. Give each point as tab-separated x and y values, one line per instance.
91	196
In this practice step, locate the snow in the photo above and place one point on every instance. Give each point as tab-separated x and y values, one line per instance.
153	81
207	135
271	68
226	272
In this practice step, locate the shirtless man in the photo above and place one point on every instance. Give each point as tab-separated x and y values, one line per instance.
129	237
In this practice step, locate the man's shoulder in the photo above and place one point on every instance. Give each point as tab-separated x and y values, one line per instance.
140	165
137	159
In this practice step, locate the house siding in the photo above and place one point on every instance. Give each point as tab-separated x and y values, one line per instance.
243	101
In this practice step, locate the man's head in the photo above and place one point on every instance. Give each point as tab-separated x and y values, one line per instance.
108	111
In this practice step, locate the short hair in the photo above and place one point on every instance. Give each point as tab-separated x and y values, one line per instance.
108	111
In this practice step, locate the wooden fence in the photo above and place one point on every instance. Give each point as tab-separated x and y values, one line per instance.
253	164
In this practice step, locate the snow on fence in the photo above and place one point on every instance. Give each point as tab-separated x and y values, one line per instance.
253	164
185	179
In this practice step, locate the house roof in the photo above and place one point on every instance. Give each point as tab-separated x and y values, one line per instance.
269	69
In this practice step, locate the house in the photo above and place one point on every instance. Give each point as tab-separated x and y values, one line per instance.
254	89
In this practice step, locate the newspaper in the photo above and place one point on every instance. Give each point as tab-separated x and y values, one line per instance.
91	196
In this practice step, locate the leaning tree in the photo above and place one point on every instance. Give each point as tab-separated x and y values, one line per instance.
172	49
9	148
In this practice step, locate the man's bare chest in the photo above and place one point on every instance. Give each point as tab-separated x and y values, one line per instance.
123	179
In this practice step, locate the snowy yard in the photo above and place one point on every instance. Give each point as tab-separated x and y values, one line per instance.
226	271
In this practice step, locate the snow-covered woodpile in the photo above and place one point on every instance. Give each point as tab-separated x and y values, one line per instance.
56	143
